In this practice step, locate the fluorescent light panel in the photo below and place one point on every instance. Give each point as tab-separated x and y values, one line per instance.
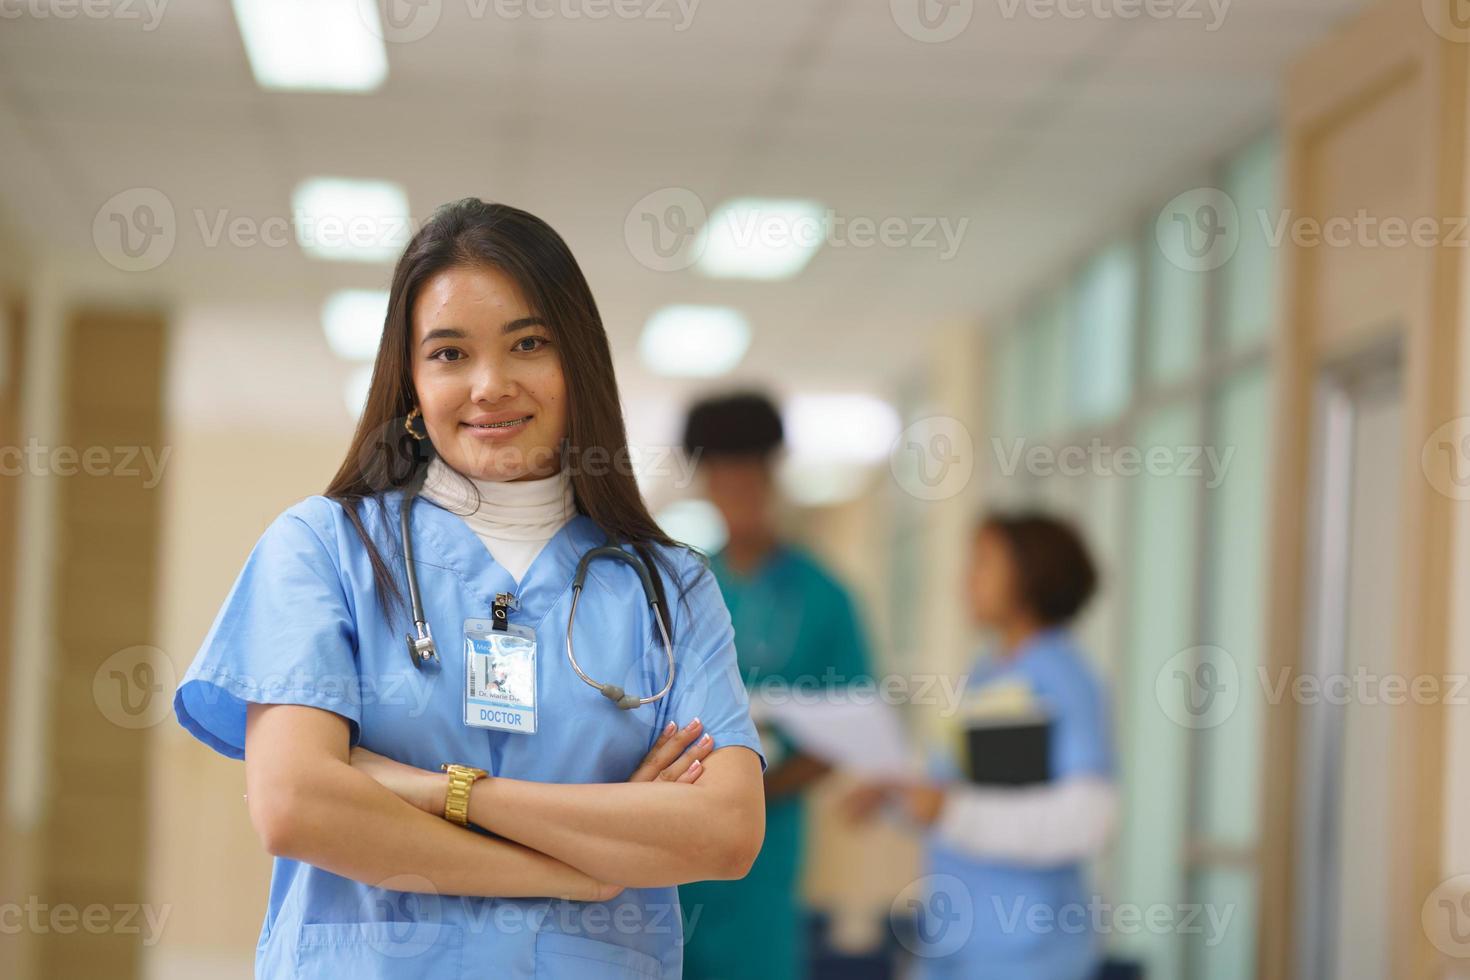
694	341
313	45
345	220
840	428
761	238
353	322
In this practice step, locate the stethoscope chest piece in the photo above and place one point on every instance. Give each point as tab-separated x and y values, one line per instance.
421	648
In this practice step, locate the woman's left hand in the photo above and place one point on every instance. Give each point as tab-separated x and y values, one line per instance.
922	802
423	788
676	756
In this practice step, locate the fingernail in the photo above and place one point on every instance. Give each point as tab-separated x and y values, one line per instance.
693	725
706	740
695	765
668	728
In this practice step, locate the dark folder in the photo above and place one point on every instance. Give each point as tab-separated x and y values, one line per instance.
1009	752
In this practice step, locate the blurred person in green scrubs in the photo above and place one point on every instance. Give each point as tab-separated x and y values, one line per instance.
793	623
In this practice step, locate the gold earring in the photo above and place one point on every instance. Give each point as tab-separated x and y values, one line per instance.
414	425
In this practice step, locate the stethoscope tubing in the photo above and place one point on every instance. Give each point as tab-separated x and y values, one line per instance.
424	653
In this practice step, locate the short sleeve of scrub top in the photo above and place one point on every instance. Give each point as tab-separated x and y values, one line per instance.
1082	734
707	683
285	635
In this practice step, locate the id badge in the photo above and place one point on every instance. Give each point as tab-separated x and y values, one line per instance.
500	676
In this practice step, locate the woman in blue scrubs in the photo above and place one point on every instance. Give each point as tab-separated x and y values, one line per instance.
1005	865
561	858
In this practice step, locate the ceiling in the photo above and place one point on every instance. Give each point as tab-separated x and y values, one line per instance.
1045	133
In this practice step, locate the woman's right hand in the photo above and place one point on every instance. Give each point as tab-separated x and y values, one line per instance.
676	756
601	891
861	802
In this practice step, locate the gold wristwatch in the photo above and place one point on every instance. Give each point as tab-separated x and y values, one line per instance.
457	799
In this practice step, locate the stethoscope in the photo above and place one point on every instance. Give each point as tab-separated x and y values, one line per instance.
422	652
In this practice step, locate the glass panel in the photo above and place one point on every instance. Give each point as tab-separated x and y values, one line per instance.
1002	450
1229	753
1223	943
1154	748
1175	303
1248	280
1048	375
1006	383
1101	342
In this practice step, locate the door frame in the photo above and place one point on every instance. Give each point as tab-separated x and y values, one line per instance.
1387	49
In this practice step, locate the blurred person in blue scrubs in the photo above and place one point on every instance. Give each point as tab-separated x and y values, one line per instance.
796	628
1015	855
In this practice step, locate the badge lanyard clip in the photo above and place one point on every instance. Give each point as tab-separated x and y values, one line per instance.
500	610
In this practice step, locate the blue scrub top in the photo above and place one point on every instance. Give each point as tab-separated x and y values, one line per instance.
997	897
302	625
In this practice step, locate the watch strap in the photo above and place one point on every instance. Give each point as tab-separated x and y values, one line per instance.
457	797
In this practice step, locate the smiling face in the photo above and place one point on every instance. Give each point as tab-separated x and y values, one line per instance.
487	376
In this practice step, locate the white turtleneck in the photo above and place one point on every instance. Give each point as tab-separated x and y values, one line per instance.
515	519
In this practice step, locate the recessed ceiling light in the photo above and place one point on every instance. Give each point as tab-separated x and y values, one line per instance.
313	45
694	341
353	322
760	238
839	428
344	220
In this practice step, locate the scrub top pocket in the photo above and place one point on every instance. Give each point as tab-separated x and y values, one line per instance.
379	951
560	956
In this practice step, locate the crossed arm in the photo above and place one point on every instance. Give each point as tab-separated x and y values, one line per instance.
691	812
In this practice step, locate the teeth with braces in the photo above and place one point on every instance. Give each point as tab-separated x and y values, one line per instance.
499	425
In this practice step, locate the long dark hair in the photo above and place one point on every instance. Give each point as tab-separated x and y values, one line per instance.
385	457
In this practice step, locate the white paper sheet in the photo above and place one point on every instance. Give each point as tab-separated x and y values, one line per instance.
866	739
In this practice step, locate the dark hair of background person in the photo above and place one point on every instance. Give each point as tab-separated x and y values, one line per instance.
743	424
1055	574
383	456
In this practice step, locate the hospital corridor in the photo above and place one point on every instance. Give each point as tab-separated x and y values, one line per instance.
777	489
